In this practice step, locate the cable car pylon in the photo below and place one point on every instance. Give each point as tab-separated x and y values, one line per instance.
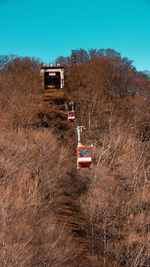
84	152
79	130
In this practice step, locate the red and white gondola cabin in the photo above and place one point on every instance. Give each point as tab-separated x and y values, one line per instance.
71	116
84	157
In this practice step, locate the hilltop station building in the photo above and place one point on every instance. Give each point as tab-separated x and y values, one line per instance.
52	76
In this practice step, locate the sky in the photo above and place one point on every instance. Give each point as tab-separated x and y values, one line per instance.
50	28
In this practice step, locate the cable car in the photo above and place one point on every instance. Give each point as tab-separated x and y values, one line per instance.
71	105
71	116
84	157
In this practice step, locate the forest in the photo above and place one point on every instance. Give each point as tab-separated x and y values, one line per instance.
51	214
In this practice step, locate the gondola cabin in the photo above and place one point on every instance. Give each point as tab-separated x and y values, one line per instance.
52	76
71	116
84	157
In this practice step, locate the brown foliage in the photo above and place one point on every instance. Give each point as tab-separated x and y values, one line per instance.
117	203
108	90
52	215
19	93
31	164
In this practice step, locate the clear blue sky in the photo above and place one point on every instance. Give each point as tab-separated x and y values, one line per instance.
49	28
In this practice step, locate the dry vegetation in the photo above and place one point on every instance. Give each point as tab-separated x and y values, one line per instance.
51	214
32	164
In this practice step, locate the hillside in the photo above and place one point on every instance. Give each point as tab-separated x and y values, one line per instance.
51	213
